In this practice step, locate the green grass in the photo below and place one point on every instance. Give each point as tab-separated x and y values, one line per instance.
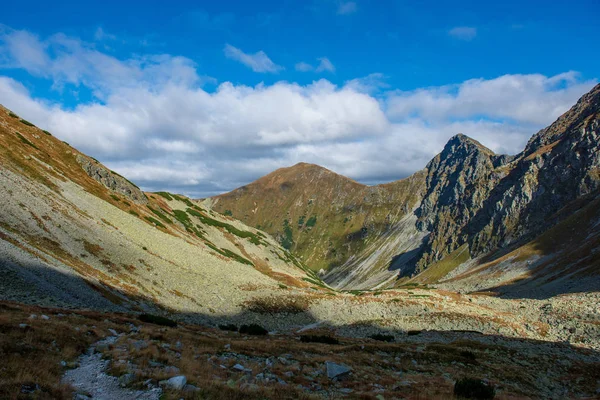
287	241
46	132
155	222
183	200
23	121
254	239
165	195
435	272
312	221
12	114
134	213
160	215
27	142
115	197
229	253
228	213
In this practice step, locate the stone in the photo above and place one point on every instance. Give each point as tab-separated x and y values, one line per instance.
113	332
239	367
176	382
45	317
336	370
126	380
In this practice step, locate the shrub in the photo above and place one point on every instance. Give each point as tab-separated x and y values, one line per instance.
383	338
311	222
115	197
134	213
318	339
228	213
27	122
228	327
287	241
12	114
469	355
253	329
413	333
46	132
471	388
157	320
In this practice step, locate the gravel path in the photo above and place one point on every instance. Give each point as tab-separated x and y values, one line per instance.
91	378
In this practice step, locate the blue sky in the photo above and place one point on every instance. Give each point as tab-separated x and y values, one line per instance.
371	89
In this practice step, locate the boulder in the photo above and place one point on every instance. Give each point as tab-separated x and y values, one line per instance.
337	370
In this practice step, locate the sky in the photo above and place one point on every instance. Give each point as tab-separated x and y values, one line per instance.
202	97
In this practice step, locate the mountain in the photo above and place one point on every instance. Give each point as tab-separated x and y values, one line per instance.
466	204
110	291
330	222
75	233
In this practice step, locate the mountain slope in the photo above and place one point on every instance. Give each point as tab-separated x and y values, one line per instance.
331	222
87	237
468	202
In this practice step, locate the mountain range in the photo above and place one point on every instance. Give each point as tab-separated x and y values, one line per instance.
468	206
480	272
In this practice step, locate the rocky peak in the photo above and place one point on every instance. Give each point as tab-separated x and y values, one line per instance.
570	122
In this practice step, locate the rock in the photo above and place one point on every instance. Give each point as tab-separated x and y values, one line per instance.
190	388
176	382
239	367
111	180
336	370
45	317
23	326
139	345
113	332
346	390
126	380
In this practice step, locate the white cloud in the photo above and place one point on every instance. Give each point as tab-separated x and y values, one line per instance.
347	7
529	99
304	67
466	33
156	126
371	83
325	65
258	62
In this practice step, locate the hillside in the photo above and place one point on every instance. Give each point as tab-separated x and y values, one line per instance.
330	222
70	225
468	201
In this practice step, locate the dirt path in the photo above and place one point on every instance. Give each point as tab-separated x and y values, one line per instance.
91	378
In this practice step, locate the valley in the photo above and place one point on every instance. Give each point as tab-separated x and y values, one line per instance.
478	266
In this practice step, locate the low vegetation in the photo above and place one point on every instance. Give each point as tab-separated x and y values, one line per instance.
253	329
157	320
471	388
319	339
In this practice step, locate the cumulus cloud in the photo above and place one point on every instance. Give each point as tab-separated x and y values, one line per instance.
466	33
258	62
347	7
156	125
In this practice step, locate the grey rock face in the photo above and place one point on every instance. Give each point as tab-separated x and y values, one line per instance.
489	201
111	180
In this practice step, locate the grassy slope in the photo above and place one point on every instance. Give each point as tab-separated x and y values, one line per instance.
330	217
